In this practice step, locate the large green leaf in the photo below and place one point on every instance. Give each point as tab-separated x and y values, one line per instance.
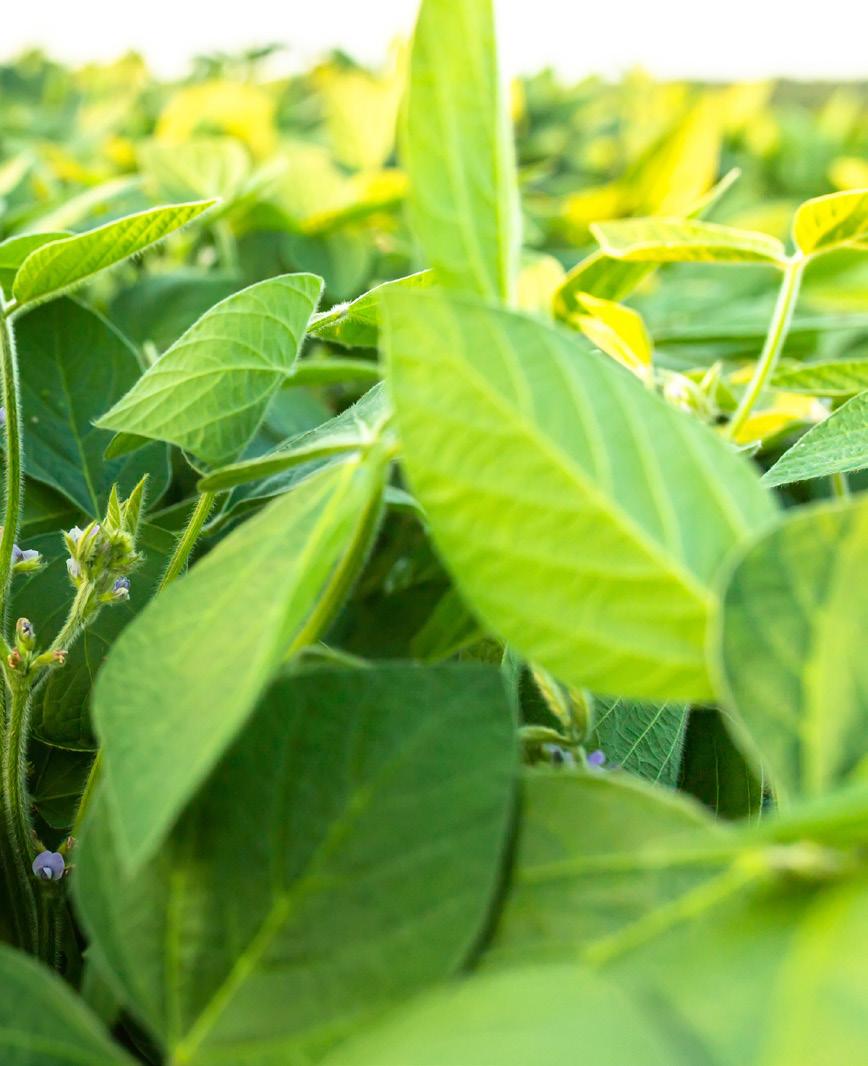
342	856
837	445
830	222
666	240
817	1005
598	853
183	678
72	364
457	149
531	1015
42	1022
61	265
583	518
790	648
209	391
202	166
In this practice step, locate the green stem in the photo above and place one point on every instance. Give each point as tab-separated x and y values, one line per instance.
18	843
774	342
87	795
840	486
188	538
13	482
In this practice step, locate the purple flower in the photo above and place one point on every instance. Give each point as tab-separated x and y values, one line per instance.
121	588
596	758
74	534
49	866
2	417
28	555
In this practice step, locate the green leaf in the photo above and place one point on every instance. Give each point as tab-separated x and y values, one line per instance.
545	1014
209	391
60	713
15	250
43	1022
200	167
457	150
834	377
381	798
837	445
830	222
73	363
214	638
353	430
583	518
643	738
597	853
817	1004
158	308
357	324
674	240
57	780
715	771
61	265
790	647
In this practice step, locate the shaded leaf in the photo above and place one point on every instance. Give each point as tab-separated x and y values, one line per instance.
332	903
792	628
42	1021
72	364
214	638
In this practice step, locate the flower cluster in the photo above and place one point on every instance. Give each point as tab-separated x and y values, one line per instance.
103	554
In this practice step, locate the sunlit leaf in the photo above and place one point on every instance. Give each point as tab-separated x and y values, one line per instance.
576	510
457	149
832	221
662	240
61	265
836	446
209	391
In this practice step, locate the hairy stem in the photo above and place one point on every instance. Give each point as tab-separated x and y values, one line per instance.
18	842
188	538
774	342
12	496
840	486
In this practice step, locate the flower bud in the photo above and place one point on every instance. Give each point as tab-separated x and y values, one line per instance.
121	588
25	636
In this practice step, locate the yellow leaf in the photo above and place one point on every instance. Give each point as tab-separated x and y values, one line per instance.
617	330
244	111
539	279
787	409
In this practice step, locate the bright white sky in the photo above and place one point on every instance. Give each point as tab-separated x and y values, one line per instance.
671	38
